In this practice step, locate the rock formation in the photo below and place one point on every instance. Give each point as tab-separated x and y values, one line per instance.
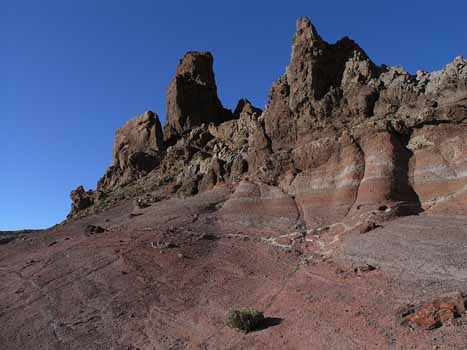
297	204
192	96
138	148
340	137
435	313
81	200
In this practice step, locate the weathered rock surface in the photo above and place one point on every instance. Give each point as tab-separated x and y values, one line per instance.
192	96
438	167
141	134
436	313
340	137
262	207
81	199
138	149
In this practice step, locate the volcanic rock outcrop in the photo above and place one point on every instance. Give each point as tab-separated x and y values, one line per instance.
192	96
138	148
340	138
81	200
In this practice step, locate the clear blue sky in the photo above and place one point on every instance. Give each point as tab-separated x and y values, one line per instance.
74	71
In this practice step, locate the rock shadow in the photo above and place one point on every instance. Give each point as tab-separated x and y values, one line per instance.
402	189
270	322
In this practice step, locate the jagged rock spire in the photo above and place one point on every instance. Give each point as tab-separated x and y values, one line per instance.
317	67
306	31
192	96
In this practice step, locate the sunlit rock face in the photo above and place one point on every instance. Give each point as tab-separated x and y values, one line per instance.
137	150
438	167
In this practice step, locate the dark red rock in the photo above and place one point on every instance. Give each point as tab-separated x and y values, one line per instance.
436	313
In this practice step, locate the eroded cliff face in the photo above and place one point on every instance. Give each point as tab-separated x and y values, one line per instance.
341	138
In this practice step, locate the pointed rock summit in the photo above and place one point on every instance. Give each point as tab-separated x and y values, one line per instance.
305	31
192	97
316	67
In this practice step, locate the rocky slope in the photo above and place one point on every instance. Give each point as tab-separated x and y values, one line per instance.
293	210
165	276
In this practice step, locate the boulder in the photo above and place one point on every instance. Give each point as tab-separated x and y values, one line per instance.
435	313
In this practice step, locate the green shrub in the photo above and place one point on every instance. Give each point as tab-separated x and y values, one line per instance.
245	320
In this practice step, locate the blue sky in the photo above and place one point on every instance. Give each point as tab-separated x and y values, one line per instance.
74	71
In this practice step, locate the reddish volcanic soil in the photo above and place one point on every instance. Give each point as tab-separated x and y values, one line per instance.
164	277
